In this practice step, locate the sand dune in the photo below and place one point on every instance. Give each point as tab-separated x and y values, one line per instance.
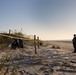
48	61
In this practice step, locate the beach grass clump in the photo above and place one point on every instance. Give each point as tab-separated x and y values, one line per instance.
1	65
53	46
56	47
41	43
5	41
4	46
5	68
46	44
7	58
15	70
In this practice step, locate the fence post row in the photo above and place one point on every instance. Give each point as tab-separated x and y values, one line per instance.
38	43
35	44
9	31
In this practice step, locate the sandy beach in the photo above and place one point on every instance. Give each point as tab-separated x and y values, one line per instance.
47	61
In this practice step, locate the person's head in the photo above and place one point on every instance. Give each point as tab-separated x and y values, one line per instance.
74	35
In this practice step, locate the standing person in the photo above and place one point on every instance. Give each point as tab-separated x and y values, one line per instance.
74	43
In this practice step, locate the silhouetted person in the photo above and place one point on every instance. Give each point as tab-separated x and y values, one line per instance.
74	43
15	44
20	43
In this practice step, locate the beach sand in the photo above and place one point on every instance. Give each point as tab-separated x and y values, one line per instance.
47	61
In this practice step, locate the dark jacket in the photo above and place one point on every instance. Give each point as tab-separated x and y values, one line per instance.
74	41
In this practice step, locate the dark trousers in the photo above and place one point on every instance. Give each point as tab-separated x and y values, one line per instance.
74	45
75	49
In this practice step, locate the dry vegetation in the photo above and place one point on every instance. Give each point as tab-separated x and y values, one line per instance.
66	45
5	41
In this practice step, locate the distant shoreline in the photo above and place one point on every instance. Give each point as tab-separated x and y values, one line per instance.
57	40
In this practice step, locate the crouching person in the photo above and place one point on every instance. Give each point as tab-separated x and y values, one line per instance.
14	44
20	43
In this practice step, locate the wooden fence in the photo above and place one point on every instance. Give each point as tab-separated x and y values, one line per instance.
36	41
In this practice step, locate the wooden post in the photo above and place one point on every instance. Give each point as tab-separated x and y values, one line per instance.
38	44
35	44
9	31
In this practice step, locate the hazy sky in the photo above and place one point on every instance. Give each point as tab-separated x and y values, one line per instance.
49	19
